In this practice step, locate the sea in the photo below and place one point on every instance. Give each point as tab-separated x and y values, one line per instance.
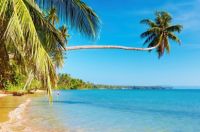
170	110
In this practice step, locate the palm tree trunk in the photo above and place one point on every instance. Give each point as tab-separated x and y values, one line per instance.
109	47
29	80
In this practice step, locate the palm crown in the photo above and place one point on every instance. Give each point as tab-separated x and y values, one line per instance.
52	16
160	31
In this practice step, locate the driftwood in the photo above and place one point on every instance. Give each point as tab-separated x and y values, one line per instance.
18	93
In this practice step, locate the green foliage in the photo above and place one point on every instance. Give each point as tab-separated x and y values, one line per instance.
13	87
160	31
16	85
67	82
33	41
76	13
22	22
19	82
30	44
35	84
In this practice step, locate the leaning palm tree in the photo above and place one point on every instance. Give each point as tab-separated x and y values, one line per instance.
158	35
52	16
160	31
64	31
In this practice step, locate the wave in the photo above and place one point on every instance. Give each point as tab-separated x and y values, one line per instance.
15	119
19	121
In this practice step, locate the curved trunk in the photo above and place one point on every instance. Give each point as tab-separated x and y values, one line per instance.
109	47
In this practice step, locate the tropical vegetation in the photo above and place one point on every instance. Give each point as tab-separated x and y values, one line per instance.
32	44
67	82
30	40
160	31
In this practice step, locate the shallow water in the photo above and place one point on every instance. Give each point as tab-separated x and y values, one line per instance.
8	104
118	111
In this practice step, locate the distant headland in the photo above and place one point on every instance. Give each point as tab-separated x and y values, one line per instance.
100	86
68	82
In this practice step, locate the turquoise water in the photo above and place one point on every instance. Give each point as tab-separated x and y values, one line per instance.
119	111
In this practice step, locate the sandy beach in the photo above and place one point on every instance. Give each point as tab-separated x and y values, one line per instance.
19	122
9	103
13	110
3	95
15	119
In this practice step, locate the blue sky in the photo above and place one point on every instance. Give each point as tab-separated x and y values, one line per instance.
120	26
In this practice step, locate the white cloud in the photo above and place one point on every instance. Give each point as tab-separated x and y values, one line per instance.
186	13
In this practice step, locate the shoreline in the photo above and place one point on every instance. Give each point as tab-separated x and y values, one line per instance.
15	117
14	108
3	95
9	102
18	121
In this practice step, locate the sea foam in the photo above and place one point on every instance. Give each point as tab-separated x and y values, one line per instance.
15	119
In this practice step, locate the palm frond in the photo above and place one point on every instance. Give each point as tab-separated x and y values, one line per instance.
166	17
150	38
174	37
58	58
149	32
174	28
64	32
52	37
163	18
52	16
77	14
22	33
154	42
148	22
4	4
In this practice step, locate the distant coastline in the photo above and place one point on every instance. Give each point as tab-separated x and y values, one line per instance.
100	86
68	82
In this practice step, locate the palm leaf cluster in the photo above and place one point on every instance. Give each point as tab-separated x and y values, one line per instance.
32	41
29	39
160	31
76	13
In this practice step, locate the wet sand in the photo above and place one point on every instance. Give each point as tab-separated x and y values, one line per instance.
14	115
15	119
8	104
